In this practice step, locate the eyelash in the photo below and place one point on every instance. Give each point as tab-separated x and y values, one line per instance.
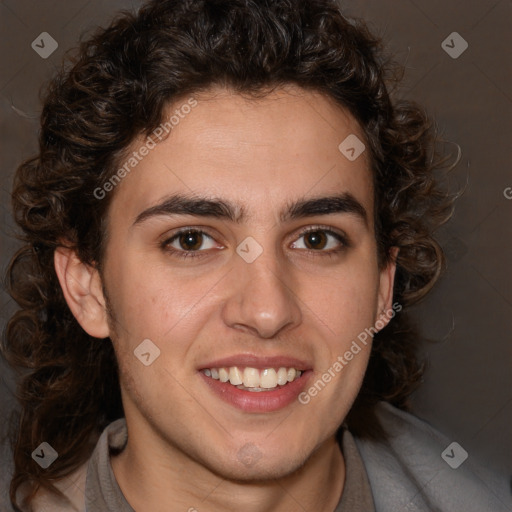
165	245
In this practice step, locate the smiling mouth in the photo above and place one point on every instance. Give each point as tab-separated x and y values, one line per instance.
254	379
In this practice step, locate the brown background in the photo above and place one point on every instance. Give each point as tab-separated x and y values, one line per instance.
467	392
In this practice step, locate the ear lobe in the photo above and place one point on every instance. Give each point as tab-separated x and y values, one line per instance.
81	286
386	287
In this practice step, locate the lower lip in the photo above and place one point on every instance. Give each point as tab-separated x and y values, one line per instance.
262	401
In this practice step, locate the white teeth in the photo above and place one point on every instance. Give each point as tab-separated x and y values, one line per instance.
252	390
282	376
268	378
223	375
253	379
235	376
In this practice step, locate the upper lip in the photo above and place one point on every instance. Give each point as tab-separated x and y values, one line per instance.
260	362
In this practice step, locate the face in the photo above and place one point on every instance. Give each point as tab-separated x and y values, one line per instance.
243	247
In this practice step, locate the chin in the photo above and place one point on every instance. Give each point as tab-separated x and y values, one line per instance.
251	465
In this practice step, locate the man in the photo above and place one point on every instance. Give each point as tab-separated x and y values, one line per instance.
225	224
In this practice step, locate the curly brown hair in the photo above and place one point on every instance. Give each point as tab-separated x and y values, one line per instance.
114	89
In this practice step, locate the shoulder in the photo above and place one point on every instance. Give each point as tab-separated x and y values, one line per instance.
416	468
73	487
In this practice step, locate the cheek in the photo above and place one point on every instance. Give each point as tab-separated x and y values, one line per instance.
151	301
346	301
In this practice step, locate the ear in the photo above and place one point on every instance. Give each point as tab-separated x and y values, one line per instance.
386	286
81	286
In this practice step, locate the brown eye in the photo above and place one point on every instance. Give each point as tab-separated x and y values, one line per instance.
321	240
190	243
315	240
191	240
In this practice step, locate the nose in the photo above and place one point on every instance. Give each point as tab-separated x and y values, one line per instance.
261	300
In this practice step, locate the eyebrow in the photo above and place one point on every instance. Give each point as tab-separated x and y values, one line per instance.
220	209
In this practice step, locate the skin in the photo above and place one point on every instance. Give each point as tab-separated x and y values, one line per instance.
184	443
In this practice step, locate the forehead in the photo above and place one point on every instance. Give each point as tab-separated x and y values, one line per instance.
269	150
